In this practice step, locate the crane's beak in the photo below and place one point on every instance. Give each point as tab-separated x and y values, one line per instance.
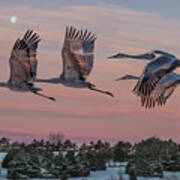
119	55
118	79
111	57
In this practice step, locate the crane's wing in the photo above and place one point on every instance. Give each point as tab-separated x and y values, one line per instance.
151	102
170	82
77	53
153	73
166	95
20	59
32	49
162	91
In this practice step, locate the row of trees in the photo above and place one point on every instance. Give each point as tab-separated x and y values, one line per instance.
57	142
147	158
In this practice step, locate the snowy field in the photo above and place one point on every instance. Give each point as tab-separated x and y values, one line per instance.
113	173
98	175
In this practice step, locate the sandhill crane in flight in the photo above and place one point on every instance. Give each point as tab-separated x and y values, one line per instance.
77	55
23	64
161	92
154	71
146	56
151	55
166	85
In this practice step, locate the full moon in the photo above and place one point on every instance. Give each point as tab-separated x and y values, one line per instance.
13	19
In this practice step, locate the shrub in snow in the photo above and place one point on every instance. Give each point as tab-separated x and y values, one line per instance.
147	158
9	157
43	164
29	164
145	168
172	163
121	151
96	160
153	155
63	177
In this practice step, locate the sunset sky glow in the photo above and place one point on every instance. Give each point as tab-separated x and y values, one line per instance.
120	27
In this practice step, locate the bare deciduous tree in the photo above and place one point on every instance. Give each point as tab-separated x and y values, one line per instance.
56	137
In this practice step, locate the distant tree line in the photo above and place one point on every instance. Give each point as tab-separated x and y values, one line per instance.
60	157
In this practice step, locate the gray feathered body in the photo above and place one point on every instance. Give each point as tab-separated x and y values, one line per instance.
162	91
153	73
23	63
78	57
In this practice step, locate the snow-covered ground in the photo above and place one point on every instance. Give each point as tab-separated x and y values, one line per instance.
2	156
113	172
98	175
3	172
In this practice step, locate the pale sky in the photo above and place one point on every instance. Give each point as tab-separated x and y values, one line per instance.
121	26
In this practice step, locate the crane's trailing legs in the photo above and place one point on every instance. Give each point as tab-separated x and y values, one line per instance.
99	90
36	90
42	95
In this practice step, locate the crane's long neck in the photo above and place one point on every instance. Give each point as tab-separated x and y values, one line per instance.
149	55
146	56
141	56
128	77
52	80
